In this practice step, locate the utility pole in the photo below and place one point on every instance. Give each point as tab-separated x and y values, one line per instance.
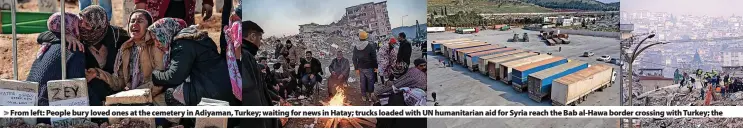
626	45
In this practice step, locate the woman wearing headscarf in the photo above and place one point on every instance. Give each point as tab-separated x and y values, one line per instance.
137	58
47	65
194	59
233	34
102	41
182	9
387	56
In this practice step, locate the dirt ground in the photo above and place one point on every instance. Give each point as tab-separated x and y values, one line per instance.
27	46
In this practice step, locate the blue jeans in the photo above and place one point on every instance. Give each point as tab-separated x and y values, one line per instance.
106	4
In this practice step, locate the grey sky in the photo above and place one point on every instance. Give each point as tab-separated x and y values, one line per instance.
685	7
283	17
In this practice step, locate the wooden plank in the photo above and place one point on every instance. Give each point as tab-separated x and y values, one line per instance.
329	123
365	122
336	122
354	123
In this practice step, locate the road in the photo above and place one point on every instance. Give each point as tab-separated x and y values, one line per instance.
457	86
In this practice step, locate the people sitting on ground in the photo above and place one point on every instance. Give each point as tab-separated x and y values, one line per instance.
283	79
339	68
48	63
311	69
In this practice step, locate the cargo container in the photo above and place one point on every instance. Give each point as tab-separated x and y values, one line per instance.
573	88
444	46
451	49
470	60
540	83
436	44
506	68
520	74
494	64
482	62
461	53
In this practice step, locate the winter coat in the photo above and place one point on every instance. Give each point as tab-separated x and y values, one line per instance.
315	67
48	65
121	77
112	41
405	51
195	61
255	92
364	55
339	67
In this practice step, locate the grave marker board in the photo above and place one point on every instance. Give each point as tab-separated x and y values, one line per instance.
48	6
135	97
69	92
6	4
18	93
212	122
128	9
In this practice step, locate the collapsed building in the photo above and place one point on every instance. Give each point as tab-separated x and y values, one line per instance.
324	40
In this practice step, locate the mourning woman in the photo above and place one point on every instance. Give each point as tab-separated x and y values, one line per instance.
48	63
137	58
102	42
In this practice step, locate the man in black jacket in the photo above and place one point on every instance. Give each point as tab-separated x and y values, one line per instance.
311	69
403	55
254	90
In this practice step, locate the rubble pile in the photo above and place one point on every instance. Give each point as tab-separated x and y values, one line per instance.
125	123
692	122
681	96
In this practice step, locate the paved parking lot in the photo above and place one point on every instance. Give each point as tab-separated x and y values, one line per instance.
457	86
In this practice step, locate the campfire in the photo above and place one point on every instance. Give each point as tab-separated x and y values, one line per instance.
338	99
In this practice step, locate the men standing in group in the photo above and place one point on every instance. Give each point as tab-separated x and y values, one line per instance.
254	87
339	70
365	61
310	70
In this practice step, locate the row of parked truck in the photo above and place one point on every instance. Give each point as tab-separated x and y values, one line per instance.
564	81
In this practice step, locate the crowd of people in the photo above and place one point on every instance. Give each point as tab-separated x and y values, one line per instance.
711	78
160	49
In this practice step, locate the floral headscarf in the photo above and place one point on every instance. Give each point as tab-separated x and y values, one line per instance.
72	22
233	34
95	17
165	31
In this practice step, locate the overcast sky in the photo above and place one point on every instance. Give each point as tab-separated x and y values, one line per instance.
686	7
283	17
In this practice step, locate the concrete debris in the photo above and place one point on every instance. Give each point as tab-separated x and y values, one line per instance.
692	123
681	96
